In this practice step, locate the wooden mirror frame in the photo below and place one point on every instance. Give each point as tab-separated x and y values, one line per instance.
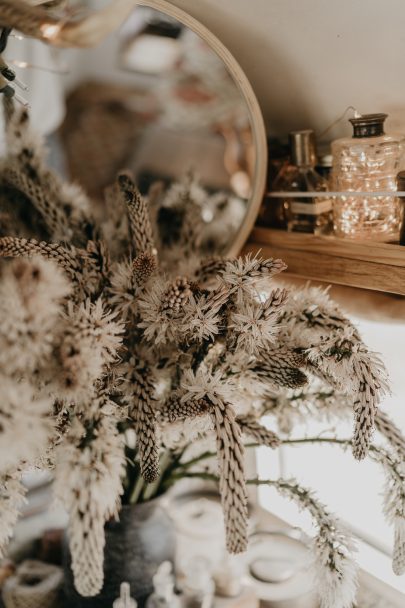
91	30
256	118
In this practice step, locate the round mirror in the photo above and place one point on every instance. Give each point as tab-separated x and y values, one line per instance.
164	98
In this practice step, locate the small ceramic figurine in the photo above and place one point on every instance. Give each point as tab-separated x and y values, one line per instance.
198	587
125	600
163	595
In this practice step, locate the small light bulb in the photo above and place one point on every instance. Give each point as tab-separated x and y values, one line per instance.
20	64
50	31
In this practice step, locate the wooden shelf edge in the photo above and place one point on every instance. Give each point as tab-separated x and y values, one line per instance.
364	264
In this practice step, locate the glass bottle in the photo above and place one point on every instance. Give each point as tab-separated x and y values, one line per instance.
313	214
367	162
401	188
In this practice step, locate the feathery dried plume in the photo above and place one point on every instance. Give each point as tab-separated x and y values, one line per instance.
398	558
91	338
232	480
25	423
12	497
394	503
123	288
139	395
335	569
89	471
391	432
31	293
372	385
253	429
138	215
64	207
315	324
16	176
245	273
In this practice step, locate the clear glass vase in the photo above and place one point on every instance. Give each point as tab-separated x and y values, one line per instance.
367	162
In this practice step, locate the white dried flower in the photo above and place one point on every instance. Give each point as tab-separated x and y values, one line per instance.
90	341
202	320
204	384
123	288
254	331
89	470
158	323
30	300
245	273
12	497
25	423
334	568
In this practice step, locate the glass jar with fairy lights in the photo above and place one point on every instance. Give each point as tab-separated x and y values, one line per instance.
367	163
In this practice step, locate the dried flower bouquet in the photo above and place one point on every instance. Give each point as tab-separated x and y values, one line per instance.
121	349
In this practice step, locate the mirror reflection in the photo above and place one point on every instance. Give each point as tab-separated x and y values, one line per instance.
155	98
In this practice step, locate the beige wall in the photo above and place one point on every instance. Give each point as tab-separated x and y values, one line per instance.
309	59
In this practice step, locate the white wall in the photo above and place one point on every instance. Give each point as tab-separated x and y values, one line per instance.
309	59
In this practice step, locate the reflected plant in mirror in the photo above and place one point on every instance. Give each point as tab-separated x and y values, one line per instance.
153	88
124	374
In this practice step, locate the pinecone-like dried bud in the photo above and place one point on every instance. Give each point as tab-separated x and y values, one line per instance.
391	432
144	266
271	267
177	295
274	302
141	402
65	257
258	432
174	409
280	367
210	268
138	215
232	483
364	417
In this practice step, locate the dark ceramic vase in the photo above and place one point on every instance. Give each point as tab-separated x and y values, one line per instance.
136	545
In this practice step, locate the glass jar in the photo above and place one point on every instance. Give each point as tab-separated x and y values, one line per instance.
367	162
303	214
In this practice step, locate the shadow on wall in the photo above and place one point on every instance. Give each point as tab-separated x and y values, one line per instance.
309	60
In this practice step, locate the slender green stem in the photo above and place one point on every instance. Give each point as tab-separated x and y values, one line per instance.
151	489
378	454
207	455
136	492
197	475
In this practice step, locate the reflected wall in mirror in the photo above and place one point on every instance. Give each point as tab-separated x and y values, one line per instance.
156	98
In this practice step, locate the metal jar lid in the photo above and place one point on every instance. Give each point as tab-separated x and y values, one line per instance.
303	148
368	125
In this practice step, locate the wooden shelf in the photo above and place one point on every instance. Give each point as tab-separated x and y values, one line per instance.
365	264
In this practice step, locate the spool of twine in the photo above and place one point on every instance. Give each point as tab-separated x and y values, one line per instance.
35	585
